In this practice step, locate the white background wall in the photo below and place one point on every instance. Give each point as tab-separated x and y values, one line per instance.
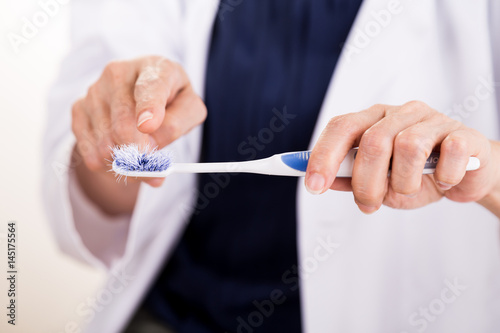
50	285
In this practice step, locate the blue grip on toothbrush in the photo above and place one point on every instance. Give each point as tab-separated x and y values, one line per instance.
297	161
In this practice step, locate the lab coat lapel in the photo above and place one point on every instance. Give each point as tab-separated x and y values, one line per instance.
200	15
316	218
380	49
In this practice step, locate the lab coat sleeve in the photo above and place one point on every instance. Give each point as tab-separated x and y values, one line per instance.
97	27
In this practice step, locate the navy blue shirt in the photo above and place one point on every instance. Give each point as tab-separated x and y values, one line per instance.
235	267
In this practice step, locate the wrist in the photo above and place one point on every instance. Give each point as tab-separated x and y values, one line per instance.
491	201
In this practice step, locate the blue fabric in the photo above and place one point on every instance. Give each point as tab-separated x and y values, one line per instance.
235	268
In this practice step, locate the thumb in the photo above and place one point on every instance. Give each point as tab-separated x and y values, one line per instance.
156	85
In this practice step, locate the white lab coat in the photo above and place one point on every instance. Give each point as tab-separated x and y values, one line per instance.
382	269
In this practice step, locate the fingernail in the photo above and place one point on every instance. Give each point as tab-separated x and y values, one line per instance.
315	183
367	209
444	186
145	116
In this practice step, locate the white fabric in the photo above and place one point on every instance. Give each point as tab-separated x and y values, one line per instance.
105	237
378	271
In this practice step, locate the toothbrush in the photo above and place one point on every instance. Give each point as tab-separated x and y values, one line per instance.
131	161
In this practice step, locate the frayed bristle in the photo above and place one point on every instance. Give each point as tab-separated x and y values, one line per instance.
133	158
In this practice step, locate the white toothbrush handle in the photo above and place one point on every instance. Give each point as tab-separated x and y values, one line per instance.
292	164
267	166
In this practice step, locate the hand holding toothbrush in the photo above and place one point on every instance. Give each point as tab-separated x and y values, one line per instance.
145	101
407	134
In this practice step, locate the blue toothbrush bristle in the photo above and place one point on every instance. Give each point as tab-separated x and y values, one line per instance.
133	158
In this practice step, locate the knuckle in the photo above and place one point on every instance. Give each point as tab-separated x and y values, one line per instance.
342	123
413	145
320	156
172	128
335	121
387	109
414	105
114	70
197	104
455	145
449	122
113	67
442	118
377	107
105	126
203	112
92	91
375	144
85	147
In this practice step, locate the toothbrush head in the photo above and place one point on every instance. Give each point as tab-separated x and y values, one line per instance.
131	160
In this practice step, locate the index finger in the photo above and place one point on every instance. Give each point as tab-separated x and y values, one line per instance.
335	141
